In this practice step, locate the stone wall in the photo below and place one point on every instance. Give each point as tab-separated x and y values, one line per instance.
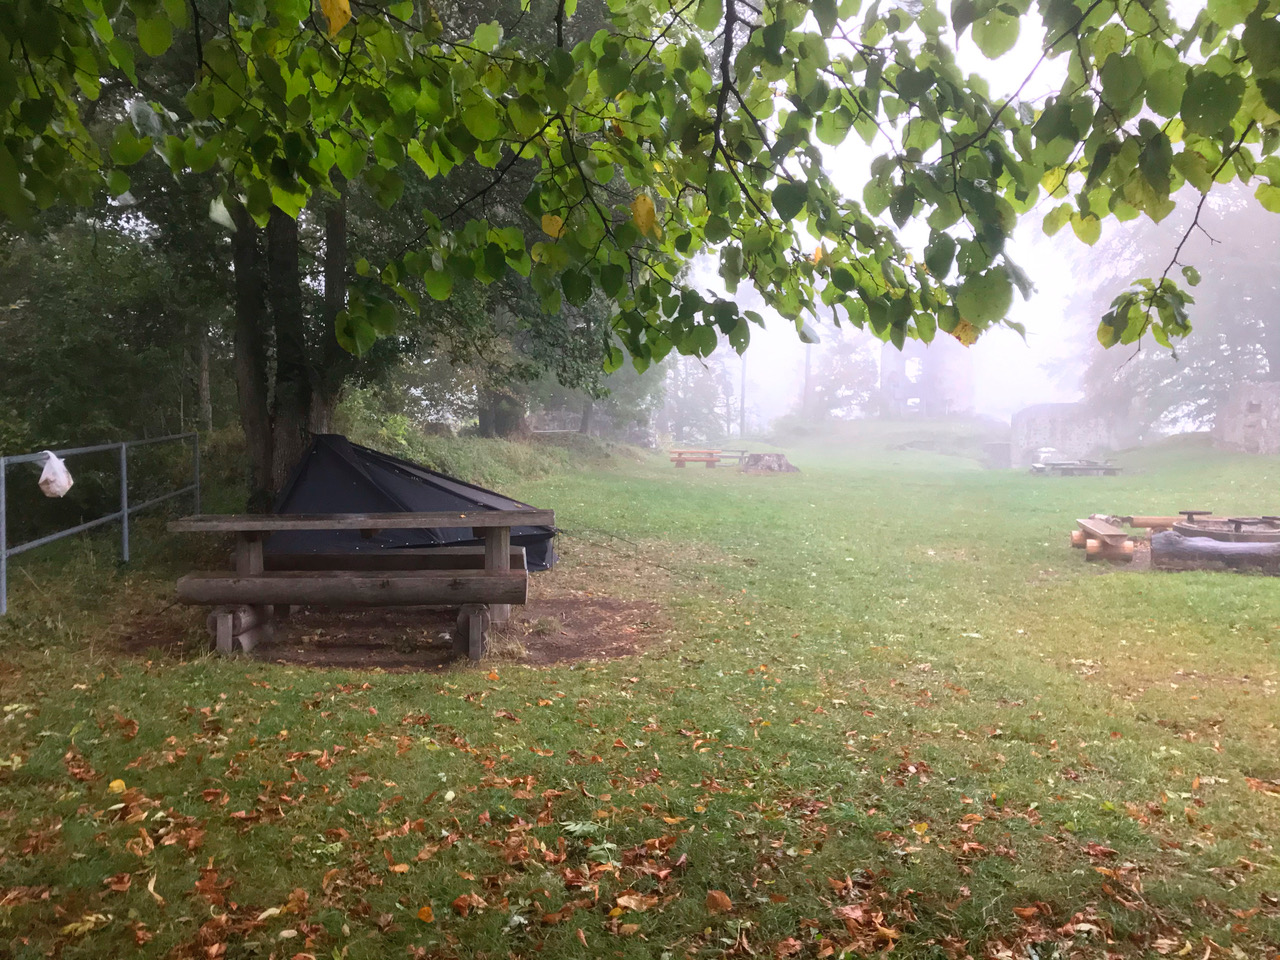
1066	428
926	379
1250	419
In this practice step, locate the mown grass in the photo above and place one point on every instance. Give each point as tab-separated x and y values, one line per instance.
895	710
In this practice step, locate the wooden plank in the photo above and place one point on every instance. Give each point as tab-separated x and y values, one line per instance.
248	553
1153	523
497	557
425	558
1101	530
347	588
268	523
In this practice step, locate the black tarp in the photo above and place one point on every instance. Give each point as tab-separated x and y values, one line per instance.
338	476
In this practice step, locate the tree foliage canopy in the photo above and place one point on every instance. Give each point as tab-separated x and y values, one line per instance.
655	131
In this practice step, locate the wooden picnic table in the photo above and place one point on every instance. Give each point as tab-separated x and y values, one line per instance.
484	594
709	457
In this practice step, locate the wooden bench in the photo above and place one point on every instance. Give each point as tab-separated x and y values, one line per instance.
482	581
709	457
1103	540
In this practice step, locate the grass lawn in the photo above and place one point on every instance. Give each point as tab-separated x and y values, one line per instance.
893	710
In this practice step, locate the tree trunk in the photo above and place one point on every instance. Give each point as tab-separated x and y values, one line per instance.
291	409
250	347
203	395
588	405
501	413
335	362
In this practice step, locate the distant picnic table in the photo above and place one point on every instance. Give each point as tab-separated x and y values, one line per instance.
1076	468
709	457
246	598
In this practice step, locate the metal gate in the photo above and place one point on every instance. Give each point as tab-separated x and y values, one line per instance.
126	509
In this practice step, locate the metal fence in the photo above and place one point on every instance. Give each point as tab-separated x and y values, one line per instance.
126	509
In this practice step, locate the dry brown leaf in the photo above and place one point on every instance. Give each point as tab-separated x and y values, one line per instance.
718	902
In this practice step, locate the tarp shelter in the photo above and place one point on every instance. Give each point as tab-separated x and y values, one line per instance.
338	476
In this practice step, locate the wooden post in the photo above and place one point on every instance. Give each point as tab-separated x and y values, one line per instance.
248	553
497	556
475	635
222	633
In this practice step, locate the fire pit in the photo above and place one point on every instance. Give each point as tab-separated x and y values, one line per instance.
1201	541
1229	529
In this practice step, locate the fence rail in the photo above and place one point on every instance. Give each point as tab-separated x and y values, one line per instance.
123	514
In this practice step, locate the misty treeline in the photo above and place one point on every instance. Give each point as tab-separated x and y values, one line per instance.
1150	390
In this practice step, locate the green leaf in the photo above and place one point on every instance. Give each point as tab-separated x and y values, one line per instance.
481	121
1261	42
612	277
1121	82
939	254
1210	102
1057	218
576	285
1228	13
1268	196
789	199
127	149
1192	275
155	35
986	298
1087	229
709	14
996	33
488	36
1165	89
438	283
614	74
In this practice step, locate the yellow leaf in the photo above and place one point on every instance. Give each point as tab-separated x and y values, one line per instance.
818	254
338	13
966	333
115	786
646	217
399	868
552	225
426	915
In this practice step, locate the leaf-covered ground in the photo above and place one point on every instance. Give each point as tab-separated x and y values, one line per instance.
894	712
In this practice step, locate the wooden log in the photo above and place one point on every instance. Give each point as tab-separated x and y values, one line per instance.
424	558
242	618
357	589
1101	550
254	636
1078	538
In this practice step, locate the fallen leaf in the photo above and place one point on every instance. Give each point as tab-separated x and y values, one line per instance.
426	914
462	906
718	902
120	882
116	786
639	902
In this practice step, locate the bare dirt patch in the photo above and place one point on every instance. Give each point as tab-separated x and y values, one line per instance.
596	604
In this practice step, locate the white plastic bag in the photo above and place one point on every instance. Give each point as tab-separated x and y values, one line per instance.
55	478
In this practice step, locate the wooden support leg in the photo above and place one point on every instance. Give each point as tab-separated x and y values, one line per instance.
711	464
470	634
679	464
222	633
497	556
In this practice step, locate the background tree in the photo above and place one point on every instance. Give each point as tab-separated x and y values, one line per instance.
1154	391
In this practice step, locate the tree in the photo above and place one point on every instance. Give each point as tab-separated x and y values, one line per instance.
847	377
674	130
1237	338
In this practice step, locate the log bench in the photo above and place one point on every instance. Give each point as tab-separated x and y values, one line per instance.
482	581
1102	540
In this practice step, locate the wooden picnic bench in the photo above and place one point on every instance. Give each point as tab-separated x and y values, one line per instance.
709	457
1103	540
482	581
